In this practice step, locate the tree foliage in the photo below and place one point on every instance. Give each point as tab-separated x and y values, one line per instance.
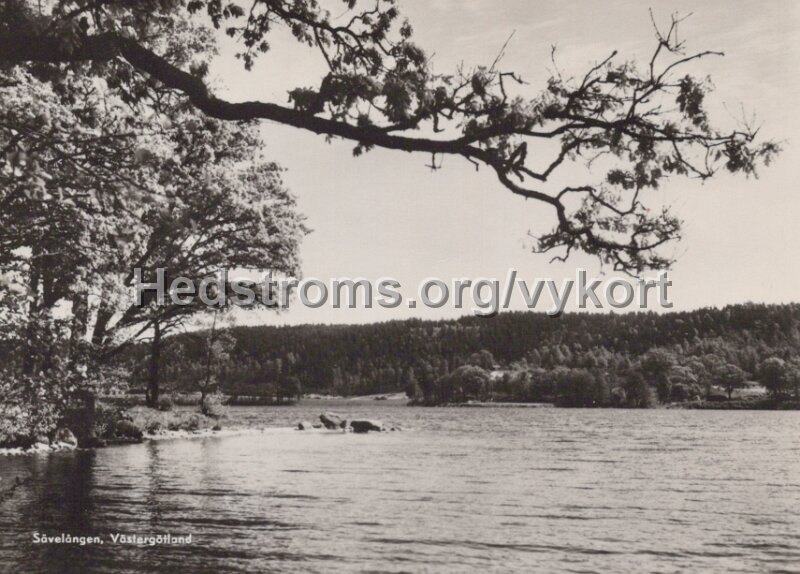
103	171
641	122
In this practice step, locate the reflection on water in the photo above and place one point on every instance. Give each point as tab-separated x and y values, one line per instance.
468	489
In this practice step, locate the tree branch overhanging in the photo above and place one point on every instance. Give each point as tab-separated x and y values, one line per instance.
646	125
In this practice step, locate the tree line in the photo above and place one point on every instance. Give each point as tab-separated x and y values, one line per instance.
635	359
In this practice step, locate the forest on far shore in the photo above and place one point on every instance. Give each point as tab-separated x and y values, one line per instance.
632	360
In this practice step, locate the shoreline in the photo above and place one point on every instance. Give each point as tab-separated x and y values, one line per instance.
151	425
172	424
42	448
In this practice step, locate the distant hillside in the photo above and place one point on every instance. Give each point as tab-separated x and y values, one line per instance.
393	356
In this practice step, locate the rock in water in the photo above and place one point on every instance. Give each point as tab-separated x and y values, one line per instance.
65	436
304	425
366	426
332	421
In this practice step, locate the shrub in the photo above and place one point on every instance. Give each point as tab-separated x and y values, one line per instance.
184	422
211	406
193	423
165	403
773	374
154	427
619	398
113	424
31	407
639	394
127	430
105	420
466	382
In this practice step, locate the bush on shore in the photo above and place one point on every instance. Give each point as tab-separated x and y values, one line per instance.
154	422
165	403
30	410
212	406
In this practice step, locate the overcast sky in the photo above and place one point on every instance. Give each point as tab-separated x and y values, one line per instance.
386	214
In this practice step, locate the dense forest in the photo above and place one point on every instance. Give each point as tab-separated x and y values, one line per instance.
633	359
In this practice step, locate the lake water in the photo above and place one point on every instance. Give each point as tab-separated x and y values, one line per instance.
466	490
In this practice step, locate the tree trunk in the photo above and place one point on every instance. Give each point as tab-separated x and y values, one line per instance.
104	314
209	358
31	344
77	357
80	321
155	363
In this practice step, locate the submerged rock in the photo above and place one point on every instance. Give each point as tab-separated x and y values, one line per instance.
332	421
364	426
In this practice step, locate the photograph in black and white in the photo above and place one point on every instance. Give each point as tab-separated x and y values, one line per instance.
399	286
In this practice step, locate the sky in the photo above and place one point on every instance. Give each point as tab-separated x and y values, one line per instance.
386	214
